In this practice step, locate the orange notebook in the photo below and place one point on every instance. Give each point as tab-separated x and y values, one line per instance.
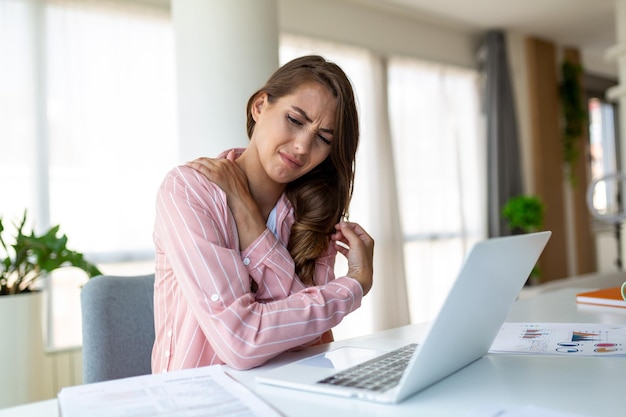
605	297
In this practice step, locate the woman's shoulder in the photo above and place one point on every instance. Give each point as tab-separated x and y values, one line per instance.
191	185
192	178
189	177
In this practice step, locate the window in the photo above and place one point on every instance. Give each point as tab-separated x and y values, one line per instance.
603	155
105	130
603	125
438	150
438	157
603	147
604	199
88	125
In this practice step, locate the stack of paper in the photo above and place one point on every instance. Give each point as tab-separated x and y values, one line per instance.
204	391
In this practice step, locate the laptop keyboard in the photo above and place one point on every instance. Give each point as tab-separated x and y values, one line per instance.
378	374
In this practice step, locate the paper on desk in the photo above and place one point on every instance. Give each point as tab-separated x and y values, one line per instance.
192	392
569	339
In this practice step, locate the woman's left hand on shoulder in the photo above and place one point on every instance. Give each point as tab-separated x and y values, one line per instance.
233	181
224	172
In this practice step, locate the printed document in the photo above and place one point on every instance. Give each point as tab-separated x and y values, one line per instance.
570	339
206	391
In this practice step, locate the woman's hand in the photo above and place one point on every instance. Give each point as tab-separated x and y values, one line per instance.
358	248
233	181
225	173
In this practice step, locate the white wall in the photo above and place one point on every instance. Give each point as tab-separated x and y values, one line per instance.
225	50
386	31
383	32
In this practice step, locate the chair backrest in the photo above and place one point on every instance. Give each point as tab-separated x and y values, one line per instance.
118	326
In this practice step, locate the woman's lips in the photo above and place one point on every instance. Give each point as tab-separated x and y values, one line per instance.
291	161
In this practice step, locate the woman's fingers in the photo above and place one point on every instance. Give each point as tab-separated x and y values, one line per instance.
223	171
357	246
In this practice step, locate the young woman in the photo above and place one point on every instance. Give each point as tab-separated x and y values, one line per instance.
246	243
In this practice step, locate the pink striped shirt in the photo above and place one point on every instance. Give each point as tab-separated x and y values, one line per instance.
205	312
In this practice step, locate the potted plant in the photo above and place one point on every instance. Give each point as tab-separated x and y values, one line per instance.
25	258
525	214
31	255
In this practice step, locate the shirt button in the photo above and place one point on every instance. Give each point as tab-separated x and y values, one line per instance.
169	334
167	353
215	297
246	261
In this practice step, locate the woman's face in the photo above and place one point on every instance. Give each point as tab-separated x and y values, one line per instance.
293	134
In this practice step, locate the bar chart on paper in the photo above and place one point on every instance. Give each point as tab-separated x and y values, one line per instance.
574	339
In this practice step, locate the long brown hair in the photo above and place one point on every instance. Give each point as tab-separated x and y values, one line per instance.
322	196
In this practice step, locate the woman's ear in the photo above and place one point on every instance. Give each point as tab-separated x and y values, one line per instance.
258	105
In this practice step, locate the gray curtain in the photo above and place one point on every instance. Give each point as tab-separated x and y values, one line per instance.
504	178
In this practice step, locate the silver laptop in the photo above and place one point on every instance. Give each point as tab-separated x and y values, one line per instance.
477	305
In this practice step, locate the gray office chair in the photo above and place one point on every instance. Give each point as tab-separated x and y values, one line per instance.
118	326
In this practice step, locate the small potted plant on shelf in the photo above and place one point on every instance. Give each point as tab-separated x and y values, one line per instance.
24	261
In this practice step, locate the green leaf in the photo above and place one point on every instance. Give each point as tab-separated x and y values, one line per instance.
32	254
524	212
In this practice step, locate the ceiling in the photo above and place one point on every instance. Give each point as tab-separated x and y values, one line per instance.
586	24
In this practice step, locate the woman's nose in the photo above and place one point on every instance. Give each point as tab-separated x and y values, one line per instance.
302	142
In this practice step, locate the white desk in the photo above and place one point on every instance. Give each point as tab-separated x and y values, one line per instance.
595	387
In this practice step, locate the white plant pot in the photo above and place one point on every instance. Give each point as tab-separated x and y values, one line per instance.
21	348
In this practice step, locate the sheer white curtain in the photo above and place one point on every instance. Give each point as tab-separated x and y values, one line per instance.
17	109
87	90
374	204
87	130
439	149
420	180
112	120
378	201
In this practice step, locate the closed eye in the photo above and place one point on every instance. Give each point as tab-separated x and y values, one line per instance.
294	121
324	140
